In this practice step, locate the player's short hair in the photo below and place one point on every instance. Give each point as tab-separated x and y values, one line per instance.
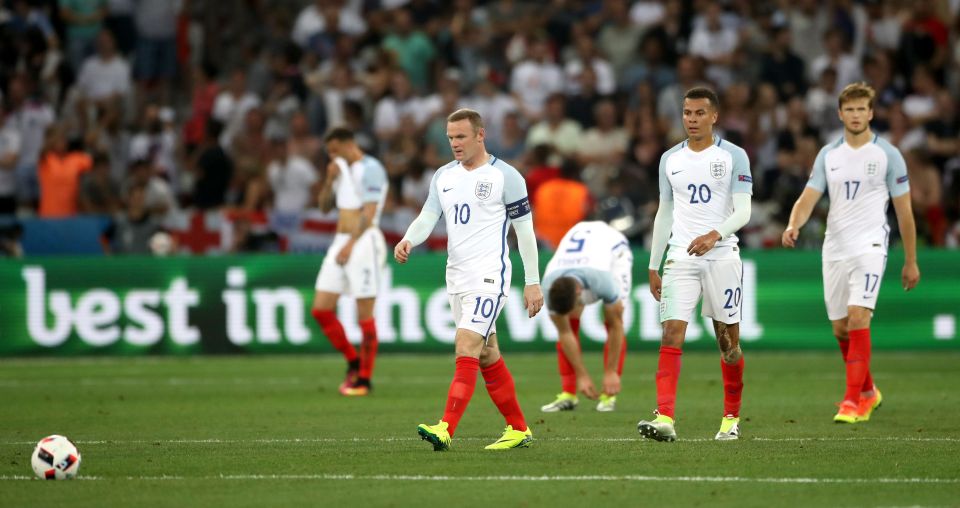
338	134
476	121
702	92
562	295
854	91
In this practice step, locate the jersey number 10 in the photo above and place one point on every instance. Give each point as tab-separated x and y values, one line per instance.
461	213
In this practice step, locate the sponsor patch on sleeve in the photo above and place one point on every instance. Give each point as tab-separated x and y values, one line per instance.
518	208
745	178
902	179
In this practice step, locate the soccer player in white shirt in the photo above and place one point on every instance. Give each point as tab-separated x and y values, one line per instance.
593	262
479	195
860	172
356	184
705	189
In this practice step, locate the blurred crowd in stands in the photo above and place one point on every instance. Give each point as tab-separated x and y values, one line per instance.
206	117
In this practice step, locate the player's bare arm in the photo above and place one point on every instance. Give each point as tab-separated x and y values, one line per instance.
910	275
613	317
326	200
572	351
800	215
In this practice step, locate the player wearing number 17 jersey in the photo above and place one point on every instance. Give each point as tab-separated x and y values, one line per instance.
860	172
479	196
705	189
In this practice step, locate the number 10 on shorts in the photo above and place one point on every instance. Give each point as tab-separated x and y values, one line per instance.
484	307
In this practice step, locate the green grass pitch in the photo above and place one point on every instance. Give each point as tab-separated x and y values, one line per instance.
272	431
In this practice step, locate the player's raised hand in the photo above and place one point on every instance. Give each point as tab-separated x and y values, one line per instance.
611	383
656	285
703	243
585	386
532	299
910	276
402	251
789	237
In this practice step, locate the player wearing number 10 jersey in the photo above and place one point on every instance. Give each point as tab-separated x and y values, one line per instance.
859	172
480	196
705	189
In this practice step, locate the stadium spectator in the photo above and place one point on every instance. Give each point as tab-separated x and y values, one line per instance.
99	194
293	180
9	155
133	229
84	20
231	107
535	79
556	130
213	170
560	203
155	60
413	49
59	175
602	148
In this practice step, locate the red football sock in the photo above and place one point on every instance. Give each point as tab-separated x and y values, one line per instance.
461	390
504	394
858	363
327	319
623	353
868	381
568	378
732	387
668	373
368	348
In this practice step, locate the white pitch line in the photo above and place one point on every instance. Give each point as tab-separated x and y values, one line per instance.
218	441
522	478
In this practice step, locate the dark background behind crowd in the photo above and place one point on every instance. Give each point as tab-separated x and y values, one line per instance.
150	113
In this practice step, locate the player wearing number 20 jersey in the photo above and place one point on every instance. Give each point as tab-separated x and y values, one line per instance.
705	189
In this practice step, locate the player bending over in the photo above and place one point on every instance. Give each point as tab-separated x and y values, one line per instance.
592	262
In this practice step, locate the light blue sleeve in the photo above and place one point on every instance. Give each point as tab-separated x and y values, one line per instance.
433	199
666	191
897	181
514	192
374	181
741	180
601	283
818	177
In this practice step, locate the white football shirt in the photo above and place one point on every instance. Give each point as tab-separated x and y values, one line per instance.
859	183
587	252
701	185
477	207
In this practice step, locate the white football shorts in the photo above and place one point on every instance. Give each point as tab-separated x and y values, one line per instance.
477	311
852	281
622	271
360	277
718	281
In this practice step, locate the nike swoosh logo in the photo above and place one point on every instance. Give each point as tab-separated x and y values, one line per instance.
868	296
445	190
675	172
475	321
731	315
834	169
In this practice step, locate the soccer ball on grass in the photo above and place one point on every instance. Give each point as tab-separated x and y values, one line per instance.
55	458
